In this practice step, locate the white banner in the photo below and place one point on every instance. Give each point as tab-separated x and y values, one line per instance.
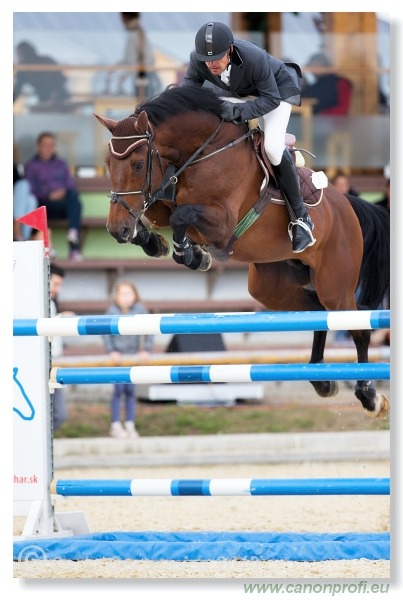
32	468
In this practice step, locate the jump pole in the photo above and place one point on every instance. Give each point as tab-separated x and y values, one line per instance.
223	487
194	323
220	373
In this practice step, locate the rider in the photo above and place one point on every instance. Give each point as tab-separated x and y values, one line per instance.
256	85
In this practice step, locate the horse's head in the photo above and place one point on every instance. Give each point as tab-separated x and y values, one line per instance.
135	169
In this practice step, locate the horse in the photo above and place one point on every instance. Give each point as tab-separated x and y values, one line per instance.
226	205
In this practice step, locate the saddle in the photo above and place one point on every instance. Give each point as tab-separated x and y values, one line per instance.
311	194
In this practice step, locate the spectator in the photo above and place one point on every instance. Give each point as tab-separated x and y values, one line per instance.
341	181
55	189
59	412
23	201
49	85
126	301
332	92
143	83
385	200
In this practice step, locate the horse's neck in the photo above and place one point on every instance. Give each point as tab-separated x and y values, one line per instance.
181	136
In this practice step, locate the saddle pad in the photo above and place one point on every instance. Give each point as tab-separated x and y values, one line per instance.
311	195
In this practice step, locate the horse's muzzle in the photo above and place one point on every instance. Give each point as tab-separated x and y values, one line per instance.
123	235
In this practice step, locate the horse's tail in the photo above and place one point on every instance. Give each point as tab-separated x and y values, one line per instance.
375	268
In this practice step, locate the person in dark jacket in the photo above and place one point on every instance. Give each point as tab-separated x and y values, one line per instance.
255	84
331	91
49	85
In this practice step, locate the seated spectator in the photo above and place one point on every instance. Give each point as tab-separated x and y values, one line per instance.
341	181
24	202
50	86
332	92
54	187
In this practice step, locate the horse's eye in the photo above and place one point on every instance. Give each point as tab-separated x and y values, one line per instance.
139	165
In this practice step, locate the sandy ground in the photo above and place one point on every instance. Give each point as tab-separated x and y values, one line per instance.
303	514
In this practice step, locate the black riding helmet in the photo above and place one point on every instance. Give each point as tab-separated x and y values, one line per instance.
212	41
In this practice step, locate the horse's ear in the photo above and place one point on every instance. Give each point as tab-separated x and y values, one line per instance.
142	122
108	123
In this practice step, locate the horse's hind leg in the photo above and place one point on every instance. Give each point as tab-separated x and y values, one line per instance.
375	405
280	286
323	388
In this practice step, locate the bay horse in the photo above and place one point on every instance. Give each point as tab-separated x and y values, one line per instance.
227	206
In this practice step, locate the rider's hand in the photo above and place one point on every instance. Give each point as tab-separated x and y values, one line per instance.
231	112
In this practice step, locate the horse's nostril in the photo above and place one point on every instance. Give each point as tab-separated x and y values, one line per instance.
124	234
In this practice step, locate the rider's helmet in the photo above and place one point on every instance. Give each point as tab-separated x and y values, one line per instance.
212	41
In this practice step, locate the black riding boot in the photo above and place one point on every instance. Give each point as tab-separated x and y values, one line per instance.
301	226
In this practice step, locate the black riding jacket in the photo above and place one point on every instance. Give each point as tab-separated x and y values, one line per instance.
254	72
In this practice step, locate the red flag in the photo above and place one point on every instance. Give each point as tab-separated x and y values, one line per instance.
38	220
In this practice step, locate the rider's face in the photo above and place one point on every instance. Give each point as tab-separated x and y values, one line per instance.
218	66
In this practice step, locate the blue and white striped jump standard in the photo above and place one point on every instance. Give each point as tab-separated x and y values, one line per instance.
204	323
223	487
221	373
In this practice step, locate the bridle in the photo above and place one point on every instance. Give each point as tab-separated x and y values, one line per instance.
171	174
146	190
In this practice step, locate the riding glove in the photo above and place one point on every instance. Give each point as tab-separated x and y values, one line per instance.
231	112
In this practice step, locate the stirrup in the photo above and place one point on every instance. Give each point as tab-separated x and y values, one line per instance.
301	223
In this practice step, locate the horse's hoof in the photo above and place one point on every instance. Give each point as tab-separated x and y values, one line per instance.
164	248
381	407
326	389
206	262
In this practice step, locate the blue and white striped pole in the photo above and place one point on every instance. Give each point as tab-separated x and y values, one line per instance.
222	487
204	323
221	373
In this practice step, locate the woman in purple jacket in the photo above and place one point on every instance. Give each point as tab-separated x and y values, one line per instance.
54	187
255	84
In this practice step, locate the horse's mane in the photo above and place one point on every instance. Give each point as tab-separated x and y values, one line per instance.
177	100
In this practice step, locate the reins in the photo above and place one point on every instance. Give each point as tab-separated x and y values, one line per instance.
173	180
171	174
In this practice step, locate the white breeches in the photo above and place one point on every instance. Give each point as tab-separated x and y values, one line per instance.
275	122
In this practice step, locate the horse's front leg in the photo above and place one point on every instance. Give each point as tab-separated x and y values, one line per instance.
153	244
186	252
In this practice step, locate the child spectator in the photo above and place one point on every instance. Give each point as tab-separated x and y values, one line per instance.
126	301
55	189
